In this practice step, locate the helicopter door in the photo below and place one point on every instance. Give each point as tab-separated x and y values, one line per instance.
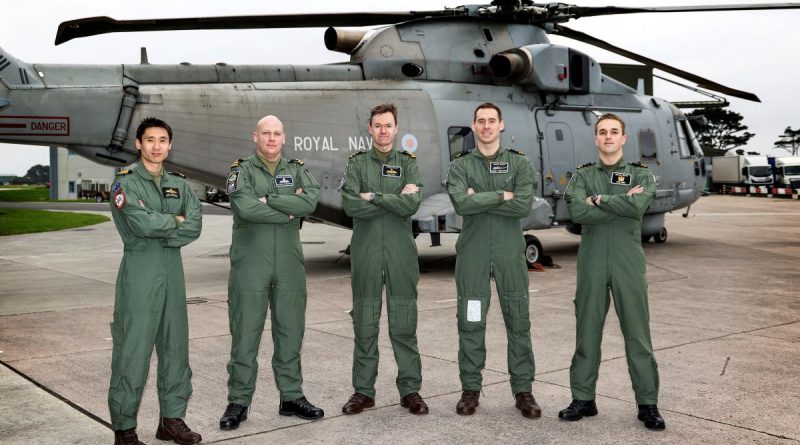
560	159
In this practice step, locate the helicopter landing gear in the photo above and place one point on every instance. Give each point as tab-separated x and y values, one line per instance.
646	238
661	236
533	250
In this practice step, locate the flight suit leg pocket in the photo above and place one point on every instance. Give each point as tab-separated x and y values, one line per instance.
471	313
366	315
402	315
516	312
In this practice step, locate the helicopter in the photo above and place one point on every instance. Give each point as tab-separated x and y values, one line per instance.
436	66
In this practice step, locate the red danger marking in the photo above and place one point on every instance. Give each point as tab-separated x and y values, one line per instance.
34	126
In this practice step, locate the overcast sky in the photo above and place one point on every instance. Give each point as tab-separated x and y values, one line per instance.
751	51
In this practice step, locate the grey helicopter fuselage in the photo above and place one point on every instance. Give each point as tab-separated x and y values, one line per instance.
436	72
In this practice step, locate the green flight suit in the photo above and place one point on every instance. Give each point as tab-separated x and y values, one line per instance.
491	245
267	270
383	251
150	297
610	257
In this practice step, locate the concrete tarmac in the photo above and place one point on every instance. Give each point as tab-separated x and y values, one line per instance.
724	310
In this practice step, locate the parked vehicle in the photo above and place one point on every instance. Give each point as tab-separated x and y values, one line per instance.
786	171
98	191
745	170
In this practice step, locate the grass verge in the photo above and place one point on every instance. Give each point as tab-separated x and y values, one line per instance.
25	194
18	221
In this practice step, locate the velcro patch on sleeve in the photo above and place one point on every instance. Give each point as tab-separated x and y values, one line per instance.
120	200
233	182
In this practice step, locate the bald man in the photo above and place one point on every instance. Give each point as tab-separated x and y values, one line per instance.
269	196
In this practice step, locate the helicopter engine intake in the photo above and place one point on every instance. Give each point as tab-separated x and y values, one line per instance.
549	68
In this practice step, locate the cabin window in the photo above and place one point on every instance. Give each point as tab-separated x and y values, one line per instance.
647	145
685	147
460	140
559	135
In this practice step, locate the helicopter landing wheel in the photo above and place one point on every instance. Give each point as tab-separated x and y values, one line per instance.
646	238
661	236
533	250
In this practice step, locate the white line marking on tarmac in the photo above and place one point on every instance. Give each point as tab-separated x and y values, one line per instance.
446	301
533	290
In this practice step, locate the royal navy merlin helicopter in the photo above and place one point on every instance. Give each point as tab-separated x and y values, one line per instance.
436	66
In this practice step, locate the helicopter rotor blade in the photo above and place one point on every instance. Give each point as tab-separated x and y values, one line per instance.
700	81
594	11
92	26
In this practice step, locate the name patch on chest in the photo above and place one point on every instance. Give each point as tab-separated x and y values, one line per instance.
392	171
621	178
171	192
498	167
284	180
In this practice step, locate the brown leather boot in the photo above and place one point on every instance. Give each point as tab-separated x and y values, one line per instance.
527	404
358	402
469	401
414	403
127	437
177	431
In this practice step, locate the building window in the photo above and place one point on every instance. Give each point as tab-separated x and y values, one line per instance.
71	187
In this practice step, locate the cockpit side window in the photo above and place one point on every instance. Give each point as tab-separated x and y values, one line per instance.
685	146
647	145
460	140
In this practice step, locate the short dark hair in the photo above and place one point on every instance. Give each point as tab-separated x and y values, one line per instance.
152	122
383	108
609	116
487	105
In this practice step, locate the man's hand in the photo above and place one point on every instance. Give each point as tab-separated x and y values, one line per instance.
263	199
409	189
470	191
635	190
299	191
180	218
366	196
589	200
508	196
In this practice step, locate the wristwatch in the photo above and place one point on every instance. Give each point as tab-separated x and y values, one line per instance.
371	196
593	198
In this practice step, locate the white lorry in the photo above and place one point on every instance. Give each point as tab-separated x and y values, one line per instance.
787	171
742	170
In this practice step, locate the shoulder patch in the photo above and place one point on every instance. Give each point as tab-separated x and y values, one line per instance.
296	161
358	153
462	154
180	175
515	151
236	163
124	172
409	154
585	165
638	164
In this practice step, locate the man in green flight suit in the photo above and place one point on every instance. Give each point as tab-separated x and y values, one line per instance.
269	196
155	213
609	199
381	192
492	188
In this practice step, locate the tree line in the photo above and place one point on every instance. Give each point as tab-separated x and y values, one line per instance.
723	130
38	174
